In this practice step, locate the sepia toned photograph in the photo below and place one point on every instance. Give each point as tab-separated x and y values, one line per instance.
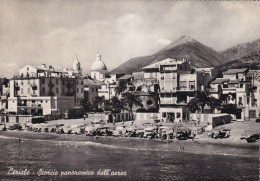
129	90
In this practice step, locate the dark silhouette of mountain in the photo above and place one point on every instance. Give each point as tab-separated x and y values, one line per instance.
242	50
185	47
251	61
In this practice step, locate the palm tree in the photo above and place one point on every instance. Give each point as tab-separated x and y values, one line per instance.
131	99
116	104
121	87
201	100
99	101
86	105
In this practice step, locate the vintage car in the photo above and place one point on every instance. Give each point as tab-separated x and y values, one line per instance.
15	126
253	138
149	132
183	134
222	133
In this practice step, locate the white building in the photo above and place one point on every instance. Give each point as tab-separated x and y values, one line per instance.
41	90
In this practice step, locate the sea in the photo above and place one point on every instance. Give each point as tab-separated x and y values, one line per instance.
124	159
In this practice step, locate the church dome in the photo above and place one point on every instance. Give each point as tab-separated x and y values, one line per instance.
98	65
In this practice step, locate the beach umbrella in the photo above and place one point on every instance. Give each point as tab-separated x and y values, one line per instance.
130	129
106	126
89	128
149	129
119	128
154	117
98	126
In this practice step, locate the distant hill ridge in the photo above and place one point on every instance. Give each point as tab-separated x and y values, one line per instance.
185	47
242	55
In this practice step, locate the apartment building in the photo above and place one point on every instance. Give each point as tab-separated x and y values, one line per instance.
235	88
39	90
178	83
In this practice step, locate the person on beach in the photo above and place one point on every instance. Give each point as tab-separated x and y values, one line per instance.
198	121
168	138
84	117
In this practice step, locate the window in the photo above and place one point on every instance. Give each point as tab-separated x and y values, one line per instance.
33	101
63	82
77	90
43	90
247	100
183	84
77	82
81	82
57	90
96	89
92	89
41	101
178	115
46	101
149	102
191	85
82	90
43	81
57	81
162	77
27	68
164	114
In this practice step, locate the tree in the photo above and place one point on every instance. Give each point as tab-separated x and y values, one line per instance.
121	87
202	99
86	105
117	104
131	99
99	102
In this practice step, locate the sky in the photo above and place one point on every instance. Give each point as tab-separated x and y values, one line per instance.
54	31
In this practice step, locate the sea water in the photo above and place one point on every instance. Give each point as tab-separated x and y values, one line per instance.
124	159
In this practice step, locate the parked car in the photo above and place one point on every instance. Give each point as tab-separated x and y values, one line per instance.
253	138
223	133
15	126
257	120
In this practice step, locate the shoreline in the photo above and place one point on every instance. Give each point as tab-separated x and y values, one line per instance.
81	138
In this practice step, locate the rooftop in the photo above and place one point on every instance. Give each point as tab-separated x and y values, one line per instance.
168	61
88	82
220	81
125	77
235	71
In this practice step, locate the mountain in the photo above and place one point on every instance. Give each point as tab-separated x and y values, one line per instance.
251	61
242	50
185	47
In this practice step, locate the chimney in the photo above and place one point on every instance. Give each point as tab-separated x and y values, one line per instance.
43	65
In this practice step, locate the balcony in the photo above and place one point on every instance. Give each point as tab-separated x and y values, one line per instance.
181	102
168	90
29	105
173	101
213	90
185	89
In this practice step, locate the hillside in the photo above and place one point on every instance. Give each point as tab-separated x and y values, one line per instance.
199	55
242	50
251	61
